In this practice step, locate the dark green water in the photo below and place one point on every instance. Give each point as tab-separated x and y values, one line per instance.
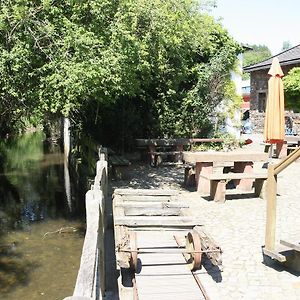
37	259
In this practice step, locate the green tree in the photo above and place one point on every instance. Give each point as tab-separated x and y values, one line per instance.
256	54
286	45
131	68
291	83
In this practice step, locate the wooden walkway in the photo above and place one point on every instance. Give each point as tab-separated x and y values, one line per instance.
164	275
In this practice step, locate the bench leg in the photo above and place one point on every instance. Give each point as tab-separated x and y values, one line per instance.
189	176
243	167
218	190
259	184
281	150
203	185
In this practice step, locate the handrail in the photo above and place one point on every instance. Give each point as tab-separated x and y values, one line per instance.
287	161
273	171
90	283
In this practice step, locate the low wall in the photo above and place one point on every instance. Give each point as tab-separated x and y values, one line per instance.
258	119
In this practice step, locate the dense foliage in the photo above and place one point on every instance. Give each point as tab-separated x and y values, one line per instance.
119	69
291	83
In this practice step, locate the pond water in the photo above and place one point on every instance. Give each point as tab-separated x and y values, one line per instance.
41	222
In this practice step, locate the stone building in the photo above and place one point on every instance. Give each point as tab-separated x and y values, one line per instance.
259	75
259	83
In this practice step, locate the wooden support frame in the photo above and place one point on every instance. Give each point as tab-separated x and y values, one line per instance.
273	171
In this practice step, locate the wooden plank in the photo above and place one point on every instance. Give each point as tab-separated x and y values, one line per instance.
274	255
295	246
139	198
164	276
86	275
150	211
207	156
230	176
122	242
145	192
153	204
271	209
209	244
294	155
206	140
157	221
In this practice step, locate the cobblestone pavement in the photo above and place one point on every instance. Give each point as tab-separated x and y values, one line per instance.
238	225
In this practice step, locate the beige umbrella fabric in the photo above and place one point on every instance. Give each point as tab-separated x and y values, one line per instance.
274	120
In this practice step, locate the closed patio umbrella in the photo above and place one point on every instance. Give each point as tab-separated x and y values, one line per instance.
274	119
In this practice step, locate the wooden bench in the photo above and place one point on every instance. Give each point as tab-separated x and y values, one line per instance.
159	155
218	183
119	166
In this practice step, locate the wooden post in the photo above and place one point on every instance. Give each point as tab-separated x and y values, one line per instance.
88	263
271	208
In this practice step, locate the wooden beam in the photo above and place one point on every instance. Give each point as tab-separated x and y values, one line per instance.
152	211
291	245
88	263
150	198
271	209
287	161
274	255
153	204
145	192
209	244
136	221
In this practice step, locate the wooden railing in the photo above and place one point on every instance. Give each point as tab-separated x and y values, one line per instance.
90	283
273	171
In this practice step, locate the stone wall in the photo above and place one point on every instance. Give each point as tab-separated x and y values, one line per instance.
258	118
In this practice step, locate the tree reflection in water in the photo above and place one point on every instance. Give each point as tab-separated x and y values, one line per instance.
32	202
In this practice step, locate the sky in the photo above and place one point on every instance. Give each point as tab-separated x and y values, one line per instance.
261	22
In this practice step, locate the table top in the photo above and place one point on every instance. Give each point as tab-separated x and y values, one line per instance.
214	156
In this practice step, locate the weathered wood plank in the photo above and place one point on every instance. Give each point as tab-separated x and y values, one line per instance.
274	255
152	211
122	242
206	156
164	276
86	275
153	204
295	246
157	221
209	244
153	198
145	192
271	209
231	175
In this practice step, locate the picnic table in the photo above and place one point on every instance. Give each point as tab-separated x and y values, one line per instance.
290	143
214	169
158	148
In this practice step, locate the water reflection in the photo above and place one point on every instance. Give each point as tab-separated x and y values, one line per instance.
33	202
